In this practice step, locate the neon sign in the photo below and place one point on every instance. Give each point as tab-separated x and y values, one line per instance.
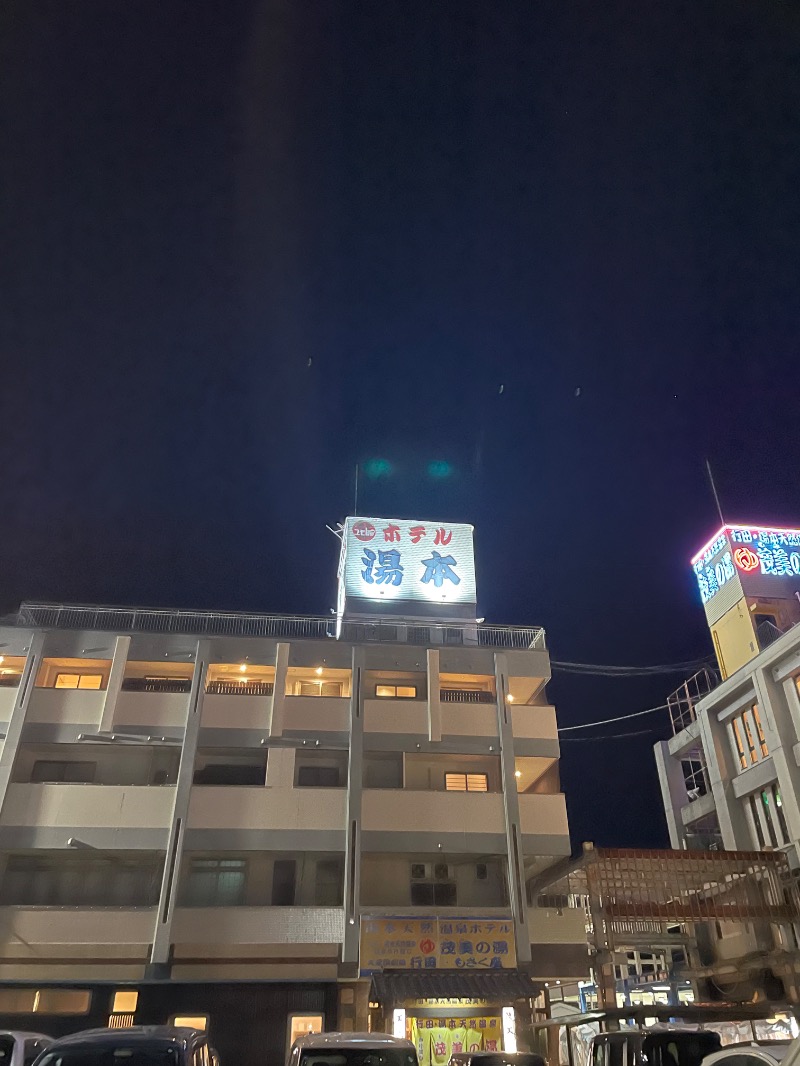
752	551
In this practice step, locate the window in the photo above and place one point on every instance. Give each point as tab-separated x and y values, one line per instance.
191	1021
319	688
94	681
216	883
318	776
328	883
466	782
45	881
231	774
303	1025
125	1002
774	815
45	1000
45	770
433	894
396	692
284	875
748	737
754	814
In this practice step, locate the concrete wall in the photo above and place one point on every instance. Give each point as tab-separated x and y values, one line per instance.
75	806
386	880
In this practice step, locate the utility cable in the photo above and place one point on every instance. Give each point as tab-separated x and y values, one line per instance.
608	721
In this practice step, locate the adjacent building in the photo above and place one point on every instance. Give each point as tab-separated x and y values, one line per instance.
274	824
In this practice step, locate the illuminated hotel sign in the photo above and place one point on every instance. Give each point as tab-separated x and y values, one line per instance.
387	560
746	553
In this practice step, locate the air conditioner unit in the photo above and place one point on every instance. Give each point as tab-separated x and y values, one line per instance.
481	871
431	871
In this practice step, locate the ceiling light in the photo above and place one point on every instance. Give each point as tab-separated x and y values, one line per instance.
318	671
518	773
509	698
243	667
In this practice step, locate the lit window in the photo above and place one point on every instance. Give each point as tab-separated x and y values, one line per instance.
45	1000
94	681
125	1002
760	730
737	739
303	1025
748	732
190	1021
396	692
466	782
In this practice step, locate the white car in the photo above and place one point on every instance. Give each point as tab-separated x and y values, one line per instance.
20	1049
767	1054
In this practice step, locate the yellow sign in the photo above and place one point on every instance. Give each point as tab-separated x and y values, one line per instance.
436	944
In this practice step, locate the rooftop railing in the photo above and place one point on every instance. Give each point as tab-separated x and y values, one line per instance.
280	626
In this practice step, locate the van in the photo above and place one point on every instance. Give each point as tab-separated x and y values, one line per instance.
21	1049
659	1046
352	1049
496	1058
140	1045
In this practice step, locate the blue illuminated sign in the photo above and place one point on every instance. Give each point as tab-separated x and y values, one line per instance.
748	551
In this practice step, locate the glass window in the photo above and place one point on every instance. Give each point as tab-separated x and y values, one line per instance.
355	1056
52	770
191	1021
454	782
760	731
393	692
139	1054
328	883
284	876
45	1000
751	800
303	1025
125	1002
318	777
748	732
94	681
216	883
737	739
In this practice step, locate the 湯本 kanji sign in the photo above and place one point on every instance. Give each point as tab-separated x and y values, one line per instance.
436	943
397	559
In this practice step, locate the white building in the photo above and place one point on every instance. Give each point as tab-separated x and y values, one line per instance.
284	809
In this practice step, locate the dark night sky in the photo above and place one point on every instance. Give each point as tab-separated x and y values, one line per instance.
429	200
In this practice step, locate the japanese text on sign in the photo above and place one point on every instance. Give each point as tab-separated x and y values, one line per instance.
746	550
397	559
434	943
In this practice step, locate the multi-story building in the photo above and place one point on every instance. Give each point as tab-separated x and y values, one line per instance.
730	773
271	824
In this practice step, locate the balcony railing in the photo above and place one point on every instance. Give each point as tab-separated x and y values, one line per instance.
9	680
156	684
284	627
465	695
238	688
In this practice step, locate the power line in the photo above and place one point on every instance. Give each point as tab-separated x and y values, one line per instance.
609	736
607	670
608	721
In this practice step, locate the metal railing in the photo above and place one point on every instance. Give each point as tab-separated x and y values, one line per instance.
683	701
156	684
282	626
459	695
239	688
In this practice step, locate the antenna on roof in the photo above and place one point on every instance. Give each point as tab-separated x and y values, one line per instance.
716	495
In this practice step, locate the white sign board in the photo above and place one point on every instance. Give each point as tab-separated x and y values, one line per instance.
391	559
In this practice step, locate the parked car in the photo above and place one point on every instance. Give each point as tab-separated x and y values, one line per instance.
351	1049
769	1053
21	1049
141	1045
496	1058
659	1046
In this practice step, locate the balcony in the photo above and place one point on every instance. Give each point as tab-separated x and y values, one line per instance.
67	932
234	807
59	706
151	710
534	723
543	815
390	810
82	806
226	926
396	716
280	627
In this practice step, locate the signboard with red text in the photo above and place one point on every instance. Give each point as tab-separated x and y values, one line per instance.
390	560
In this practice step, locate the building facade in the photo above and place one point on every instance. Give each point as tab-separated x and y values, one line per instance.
247	819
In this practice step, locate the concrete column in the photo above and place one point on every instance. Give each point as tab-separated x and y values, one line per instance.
779	732
721	772
516	858
673	793
434	696
278	704
114	686
17	718
162	935
352	856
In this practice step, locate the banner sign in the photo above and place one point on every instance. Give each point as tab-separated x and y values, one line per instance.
436	944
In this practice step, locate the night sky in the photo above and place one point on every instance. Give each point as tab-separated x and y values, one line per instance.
247	244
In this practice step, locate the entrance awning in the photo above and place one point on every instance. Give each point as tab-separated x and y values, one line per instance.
501	985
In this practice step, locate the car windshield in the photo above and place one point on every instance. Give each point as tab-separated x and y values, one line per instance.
354	1056
112	1055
